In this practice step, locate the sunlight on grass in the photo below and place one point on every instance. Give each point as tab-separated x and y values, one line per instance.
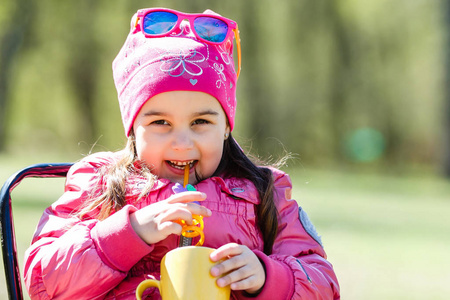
386	236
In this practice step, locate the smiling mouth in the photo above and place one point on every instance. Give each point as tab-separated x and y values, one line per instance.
181	164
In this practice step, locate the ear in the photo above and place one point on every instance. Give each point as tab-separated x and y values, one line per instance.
227	132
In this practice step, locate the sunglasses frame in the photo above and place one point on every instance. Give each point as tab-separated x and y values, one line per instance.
232	27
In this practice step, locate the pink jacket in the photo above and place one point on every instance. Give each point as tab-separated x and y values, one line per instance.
89	259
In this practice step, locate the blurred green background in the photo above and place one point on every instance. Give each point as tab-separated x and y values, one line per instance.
357	90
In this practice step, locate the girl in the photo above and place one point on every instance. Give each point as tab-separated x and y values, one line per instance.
176	84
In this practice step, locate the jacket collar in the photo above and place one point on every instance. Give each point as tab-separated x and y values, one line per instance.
237	188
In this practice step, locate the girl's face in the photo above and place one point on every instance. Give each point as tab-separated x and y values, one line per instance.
177	128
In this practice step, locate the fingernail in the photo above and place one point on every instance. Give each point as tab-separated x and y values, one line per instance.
214	271
209	212
203	195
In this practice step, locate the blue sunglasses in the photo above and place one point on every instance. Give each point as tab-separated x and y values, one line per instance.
212	29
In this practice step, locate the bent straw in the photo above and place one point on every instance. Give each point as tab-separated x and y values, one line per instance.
186	175
185	241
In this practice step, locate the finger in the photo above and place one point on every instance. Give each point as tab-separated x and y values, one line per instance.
192	208
174	214
246	278
226	251
185	212
237	274
168	228
197	209
186	197
250	284
236	263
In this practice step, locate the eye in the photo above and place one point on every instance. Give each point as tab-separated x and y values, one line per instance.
201	122
159	122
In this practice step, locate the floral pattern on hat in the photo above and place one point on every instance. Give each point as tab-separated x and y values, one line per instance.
179	63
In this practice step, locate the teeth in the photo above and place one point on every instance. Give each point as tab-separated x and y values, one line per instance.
181	164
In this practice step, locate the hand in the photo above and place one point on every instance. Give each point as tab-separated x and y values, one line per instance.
155	222
245	271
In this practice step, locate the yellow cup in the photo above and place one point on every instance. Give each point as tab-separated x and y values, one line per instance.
185	274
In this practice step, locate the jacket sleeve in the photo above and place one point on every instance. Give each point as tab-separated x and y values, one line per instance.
70	258
297	267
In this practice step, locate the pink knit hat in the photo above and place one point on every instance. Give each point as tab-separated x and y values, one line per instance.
146	67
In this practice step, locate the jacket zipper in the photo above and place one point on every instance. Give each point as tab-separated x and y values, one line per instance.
307	276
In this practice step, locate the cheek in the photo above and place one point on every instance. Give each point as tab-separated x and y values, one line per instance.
143	153
140	151
144	150
212	156
140	143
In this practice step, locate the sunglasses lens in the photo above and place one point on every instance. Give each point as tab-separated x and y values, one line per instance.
159	22
211	29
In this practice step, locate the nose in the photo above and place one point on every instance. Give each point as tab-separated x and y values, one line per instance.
182	141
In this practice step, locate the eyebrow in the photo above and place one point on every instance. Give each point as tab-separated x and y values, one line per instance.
197	114
154	113
206	112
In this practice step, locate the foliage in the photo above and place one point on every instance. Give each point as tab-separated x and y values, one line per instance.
314	74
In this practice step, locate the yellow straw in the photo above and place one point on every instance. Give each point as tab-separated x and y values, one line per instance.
186	175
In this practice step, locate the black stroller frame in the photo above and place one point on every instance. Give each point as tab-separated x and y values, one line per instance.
8	238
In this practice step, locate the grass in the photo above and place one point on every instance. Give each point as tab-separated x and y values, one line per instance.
387	236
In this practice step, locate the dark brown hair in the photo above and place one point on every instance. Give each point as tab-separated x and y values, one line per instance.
235	163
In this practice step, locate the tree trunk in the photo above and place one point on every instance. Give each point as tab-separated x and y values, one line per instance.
83	67
11	42
446	138
340	75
